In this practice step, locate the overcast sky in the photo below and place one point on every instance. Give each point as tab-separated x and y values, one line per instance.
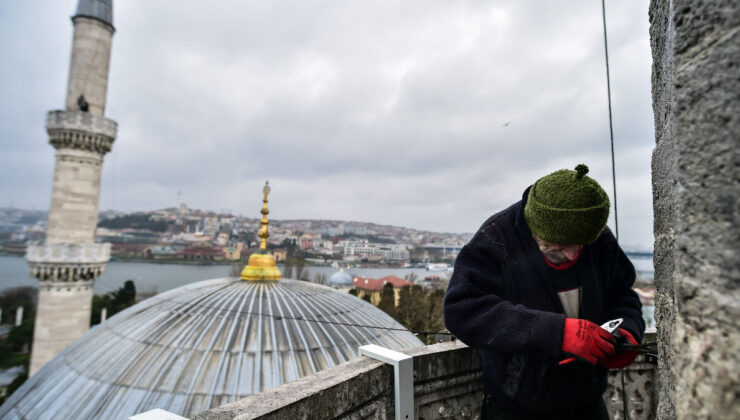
427	114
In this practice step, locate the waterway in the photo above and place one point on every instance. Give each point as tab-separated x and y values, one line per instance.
150	277
153	278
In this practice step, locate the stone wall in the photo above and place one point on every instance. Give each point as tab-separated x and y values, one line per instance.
696	187
62	316
446	385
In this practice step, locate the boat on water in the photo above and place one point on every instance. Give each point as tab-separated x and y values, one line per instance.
437	266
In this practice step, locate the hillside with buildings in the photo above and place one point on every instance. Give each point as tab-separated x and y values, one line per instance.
189	235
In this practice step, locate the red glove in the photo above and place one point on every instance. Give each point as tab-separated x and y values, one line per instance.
584	339
618	361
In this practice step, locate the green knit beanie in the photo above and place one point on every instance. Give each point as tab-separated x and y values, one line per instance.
567	207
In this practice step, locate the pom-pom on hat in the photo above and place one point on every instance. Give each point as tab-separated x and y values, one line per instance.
567	207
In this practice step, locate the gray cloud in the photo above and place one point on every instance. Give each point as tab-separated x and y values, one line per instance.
392	113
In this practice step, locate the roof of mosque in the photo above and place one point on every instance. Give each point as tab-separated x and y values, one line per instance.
204	345
101	10
340	278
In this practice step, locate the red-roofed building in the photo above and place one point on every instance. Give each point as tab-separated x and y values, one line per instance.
374	287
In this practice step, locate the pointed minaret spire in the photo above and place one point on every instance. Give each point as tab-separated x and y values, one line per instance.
262	264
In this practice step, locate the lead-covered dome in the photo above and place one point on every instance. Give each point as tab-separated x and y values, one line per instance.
201	346
340	279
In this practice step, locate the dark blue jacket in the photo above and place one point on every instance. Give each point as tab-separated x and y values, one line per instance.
502	300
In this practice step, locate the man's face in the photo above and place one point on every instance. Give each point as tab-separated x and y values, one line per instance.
557	253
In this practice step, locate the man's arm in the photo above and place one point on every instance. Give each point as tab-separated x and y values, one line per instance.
476	314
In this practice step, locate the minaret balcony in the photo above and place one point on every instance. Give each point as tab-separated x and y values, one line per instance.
81	130
67	261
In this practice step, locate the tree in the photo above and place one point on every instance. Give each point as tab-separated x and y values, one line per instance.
419	310
353	291
136	221
387	302
21	336
13	298
126	295
288	268
114	302
411	277
435	317
300	271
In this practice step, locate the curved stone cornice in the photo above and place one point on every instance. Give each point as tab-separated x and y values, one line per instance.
67	262
68	253
81	130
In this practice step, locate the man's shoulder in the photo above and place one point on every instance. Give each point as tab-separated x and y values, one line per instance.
506	218
606	241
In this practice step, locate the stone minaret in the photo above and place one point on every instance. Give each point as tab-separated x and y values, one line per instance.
70	260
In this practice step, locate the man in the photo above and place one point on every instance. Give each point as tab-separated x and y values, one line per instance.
530	291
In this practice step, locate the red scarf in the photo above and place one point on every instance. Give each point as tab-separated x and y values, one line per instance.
562	266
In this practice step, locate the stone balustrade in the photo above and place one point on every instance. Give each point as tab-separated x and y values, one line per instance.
67	262
54	252
81	130
446	385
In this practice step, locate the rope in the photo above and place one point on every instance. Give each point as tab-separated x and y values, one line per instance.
611	126
614	173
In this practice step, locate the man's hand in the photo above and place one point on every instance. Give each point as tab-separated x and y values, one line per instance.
586	340
624	358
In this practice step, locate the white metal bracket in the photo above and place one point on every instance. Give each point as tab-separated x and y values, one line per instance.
403	372
157	414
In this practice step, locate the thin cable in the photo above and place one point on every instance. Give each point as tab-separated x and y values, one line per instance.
611	128
614	172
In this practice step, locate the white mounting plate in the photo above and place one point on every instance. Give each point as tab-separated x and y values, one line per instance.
403	372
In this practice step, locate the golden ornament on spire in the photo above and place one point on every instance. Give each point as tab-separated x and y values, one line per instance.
261	264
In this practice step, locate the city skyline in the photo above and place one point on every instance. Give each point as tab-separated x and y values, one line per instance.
395	122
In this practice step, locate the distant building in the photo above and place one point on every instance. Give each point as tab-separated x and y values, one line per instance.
372	251
234	253
374	287
202	253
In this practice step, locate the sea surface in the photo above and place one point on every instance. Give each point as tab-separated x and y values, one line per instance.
154	278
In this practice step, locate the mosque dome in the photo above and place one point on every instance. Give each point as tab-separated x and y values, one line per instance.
201	346
340	278
206	344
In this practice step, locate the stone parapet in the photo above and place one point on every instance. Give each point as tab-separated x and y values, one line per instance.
81	130
447	384
67	262
640	381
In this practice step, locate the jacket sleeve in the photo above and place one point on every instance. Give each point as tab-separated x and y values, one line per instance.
622	301
477	314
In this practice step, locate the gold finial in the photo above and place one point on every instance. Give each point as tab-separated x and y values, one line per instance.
264	222
261	264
